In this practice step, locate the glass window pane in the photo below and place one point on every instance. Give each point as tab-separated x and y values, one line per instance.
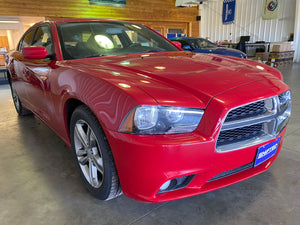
175	31
43	38
93	39
27	39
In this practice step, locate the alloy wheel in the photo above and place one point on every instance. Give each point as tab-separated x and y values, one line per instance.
88	153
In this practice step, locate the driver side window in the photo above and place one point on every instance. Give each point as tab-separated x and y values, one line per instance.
184	45
43	38
26	41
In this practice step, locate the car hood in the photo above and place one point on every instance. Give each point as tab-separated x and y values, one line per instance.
186	77
229	50
222	51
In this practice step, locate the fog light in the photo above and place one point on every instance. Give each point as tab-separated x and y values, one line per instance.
176	184
165	186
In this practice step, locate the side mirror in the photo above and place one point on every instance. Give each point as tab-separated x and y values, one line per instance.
187	47
177	44
34	52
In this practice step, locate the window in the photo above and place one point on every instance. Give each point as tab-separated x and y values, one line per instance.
40	36
117	40
43	38
183	42
26	41
175	31
93	39
202	43
104	42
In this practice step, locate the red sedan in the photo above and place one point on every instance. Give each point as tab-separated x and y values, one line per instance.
144	117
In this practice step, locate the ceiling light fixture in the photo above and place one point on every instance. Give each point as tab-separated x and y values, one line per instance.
7	21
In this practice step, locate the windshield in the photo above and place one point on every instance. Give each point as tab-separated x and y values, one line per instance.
92	39
202	43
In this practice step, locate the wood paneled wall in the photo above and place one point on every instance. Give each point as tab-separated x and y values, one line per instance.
3	42
150	12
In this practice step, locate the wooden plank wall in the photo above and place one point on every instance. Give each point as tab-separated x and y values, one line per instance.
150	12
3	42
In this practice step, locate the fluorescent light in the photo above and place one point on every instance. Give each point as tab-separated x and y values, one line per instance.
4	21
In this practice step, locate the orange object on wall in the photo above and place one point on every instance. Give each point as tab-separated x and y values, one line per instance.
4	42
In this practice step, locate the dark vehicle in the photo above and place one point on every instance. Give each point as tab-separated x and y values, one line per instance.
201	45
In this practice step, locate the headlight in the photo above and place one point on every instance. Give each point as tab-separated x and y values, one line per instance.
285	105
284	99
147	119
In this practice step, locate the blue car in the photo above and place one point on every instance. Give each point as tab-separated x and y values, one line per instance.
201	45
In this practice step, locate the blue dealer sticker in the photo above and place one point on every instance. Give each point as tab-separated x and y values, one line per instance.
265	152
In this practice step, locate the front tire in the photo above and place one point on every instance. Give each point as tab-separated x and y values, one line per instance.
92	155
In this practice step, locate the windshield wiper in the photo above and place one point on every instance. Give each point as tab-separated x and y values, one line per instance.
92	56
154	50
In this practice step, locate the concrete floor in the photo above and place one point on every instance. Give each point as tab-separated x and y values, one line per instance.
39	183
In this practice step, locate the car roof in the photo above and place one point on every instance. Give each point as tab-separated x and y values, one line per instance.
80	20
187	38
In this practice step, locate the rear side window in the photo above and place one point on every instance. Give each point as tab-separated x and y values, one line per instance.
201	43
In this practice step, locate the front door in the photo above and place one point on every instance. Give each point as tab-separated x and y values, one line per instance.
36	75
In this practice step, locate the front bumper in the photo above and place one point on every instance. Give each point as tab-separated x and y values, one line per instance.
145	163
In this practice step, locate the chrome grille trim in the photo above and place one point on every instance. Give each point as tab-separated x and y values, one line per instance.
266	119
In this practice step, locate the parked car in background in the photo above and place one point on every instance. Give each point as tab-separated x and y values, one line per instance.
142	116
201	45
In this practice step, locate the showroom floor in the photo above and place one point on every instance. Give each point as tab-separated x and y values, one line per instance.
39	183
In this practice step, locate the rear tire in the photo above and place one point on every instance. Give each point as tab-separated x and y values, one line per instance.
92	155
22	111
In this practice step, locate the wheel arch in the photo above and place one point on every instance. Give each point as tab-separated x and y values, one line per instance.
70	106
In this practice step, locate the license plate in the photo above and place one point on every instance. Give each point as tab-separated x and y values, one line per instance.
265	152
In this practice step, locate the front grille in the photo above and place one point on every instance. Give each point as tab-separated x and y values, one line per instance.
254	123
240	134
251	110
